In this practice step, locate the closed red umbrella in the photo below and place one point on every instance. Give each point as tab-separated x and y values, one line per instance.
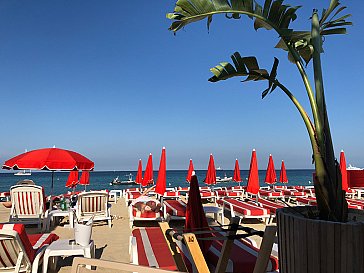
139	176
72	180
344	172
51	159
270	174
195	215
283	174
85	178
211	172
237	176
162	174
189	172
148	173
253	178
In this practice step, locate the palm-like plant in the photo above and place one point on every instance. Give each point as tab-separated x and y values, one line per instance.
302	47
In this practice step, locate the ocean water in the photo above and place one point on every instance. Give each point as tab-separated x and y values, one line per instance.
101	179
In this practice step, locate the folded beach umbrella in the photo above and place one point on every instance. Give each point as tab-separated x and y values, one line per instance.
211	172
195	215
344	172
189	172
139	176
148	173
253	178
72	180
85	178
283	174
162	174
237	176
270	174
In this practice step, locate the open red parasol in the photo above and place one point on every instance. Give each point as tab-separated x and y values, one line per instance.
211	172
85	178
139	176
237	176
162	174
72	180
189	172
283	174
344	172
270	174
51	159
253	179
148	173
195	215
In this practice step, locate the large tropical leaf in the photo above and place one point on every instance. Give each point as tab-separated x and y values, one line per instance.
245	67
301	40
273	14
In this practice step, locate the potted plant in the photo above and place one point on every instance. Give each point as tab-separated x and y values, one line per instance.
302	47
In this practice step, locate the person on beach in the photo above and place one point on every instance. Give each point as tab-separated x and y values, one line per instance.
144	203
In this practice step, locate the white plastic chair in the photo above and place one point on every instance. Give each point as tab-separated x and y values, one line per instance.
28	205
93	203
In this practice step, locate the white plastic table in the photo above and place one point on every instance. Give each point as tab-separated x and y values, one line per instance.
216	211
115	194
61	247
60	213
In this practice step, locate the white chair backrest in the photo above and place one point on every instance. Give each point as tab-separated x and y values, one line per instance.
27	201
92	202
13	257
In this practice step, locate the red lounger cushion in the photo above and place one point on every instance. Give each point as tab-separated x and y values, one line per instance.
272	206
242	259
175	207
270	193
294	193
245	208
31	242
133	195
206	194
151	239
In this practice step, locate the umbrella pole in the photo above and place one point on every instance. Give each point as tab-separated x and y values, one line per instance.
51	200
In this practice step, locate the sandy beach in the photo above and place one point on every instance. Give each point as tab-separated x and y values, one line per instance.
111	243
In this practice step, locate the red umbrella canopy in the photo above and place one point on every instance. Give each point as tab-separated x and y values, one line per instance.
344	172
195	214
283	174
237	177
270	174
189	172
72	180
148	173
253	179
51	159
85	178
139	177
211	172
162	174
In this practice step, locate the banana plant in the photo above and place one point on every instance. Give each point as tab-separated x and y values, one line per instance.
302	47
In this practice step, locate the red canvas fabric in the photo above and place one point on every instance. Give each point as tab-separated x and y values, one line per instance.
270	193
344	173
272	206
85	178
211	172
237	176
189	172
195	215
145	214
245	208
72	180
270	175
162	174
151	239
139	176
253	178
148	173
283	174
51	159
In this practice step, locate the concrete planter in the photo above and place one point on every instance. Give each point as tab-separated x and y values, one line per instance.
315	246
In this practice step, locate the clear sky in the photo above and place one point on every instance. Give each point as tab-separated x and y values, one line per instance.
108	80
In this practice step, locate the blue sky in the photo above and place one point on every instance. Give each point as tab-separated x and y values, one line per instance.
108	80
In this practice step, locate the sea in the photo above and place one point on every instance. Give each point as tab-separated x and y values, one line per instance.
100	180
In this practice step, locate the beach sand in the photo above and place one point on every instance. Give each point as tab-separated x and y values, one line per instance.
111	243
